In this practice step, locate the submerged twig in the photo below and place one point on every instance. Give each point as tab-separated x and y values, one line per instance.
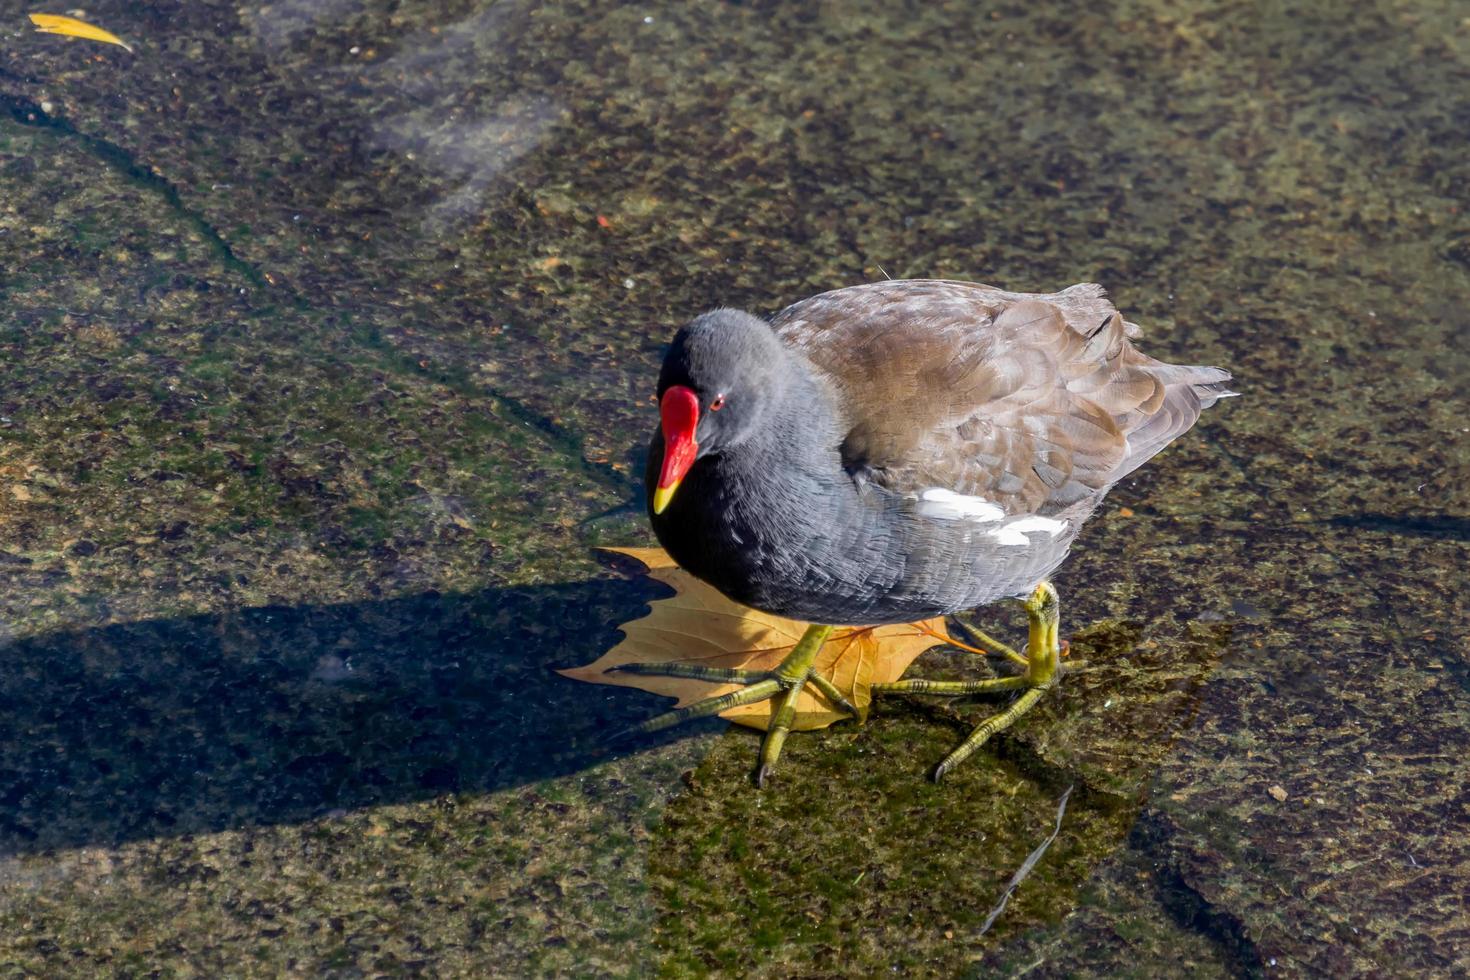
1027	865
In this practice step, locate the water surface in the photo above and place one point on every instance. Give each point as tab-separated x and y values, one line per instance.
329	332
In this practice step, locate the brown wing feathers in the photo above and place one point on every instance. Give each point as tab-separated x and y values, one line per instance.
1032	401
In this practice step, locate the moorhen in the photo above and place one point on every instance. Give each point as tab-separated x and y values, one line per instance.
895	451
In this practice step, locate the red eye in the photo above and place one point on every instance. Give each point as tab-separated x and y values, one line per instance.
717	404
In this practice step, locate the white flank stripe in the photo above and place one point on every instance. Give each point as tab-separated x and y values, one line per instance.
946	505
1014	532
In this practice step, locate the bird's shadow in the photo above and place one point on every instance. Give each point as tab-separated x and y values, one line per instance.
279	714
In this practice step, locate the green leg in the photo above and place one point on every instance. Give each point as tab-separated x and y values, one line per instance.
950	689
989	644
717	675
1043	667
786	681
987	728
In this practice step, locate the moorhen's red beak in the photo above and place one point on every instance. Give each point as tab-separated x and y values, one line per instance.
679	414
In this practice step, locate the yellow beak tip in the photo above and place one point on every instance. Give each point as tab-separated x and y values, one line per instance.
662	496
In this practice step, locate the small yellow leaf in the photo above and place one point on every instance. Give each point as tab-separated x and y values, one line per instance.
71	27
698	625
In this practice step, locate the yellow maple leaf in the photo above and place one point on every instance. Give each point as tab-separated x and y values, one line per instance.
698	625
71	27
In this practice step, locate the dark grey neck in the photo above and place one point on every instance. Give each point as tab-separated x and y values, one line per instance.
791	472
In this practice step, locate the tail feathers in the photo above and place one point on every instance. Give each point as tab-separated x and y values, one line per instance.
1187	374
1210	393
1208	383
1199	388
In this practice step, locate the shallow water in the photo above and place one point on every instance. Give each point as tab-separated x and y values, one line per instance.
329	335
